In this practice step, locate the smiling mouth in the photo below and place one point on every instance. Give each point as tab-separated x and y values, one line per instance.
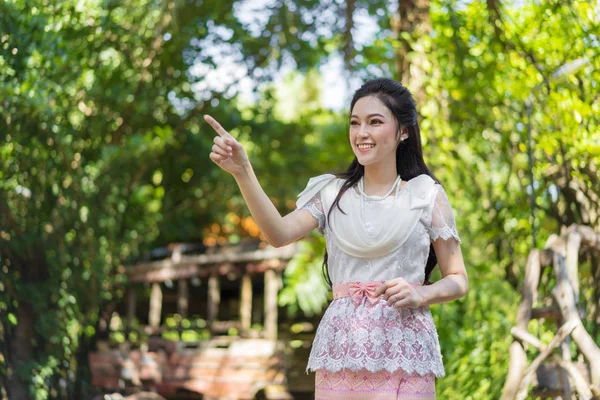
365	146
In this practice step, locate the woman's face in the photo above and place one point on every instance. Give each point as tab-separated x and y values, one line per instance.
373	132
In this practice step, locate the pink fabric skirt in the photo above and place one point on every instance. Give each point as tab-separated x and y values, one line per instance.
361	331
363	384
382	385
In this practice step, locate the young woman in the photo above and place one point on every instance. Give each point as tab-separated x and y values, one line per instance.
387	223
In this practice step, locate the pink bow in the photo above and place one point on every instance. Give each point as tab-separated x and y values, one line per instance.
357	290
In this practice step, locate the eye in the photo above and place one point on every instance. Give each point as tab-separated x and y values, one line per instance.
353	123
376	121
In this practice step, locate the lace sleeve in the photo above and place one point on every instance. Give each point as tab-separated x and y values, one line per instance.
315	207
443	224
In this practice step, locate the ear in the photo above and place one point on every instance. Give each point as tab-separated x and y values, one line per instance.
403	134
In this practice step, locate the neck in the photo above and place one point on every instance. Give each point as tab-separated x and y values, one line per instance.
377	181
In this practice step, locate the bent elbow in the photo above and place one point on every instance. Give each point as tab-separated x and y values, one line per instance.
465	287
276	242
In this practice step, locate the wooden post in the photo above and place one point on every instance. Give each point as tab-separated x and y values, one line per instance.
214	298
518	357
131	304
271	290
246	304
572	261
183	297
155	306
564	295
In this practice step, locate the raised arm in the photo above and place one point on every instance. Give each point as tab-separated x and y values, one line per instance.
230	155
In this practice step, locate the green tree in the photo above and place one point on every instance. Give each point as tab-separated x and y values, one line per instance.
100	141
103	153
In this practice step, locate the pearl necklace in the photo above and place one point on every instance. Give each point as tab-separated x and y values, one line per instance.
368	225
361	184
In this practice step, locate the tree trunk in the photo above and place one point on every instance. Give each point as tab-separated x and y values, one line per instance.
20	350
413	19
348	46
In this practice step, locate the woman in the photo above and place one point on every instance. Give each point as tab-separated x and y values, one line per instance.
387	222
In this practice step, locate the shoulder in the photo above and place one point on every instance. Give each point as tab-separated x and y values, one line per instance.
422	189
323	178
314	186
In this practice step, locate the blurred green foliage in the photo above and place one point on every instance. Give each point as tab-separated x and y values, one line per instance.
103	154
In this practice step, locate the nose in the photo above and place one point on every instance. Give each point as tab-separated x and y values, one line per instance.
363	131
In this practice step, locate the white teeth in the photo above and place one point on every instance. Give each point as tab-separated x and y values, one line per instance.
365	146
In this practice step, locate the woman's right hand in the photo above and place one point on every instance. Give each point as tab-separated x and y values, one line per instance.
227	152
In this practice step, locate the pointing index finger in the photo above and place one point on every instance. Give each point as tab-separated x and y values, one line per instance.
216	126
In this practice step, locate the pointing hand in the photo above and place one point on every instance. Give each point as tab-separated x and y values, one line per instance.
227	152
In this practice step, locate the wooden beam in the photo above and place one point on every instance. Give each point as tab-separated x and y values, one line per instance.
572	261
562	252
526	337
271	290
175	272
563	376
214	299
561	335
183	297
517	355
563	294
131	305
589	237
246	304
155	306
578	380
548	312
269	253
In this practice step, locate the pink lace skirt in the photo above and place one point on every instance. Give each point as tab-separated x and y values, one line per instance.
382	385
361	332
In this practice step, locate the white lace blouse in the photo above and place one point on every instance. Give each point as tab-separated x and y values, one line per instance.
379	337
408	261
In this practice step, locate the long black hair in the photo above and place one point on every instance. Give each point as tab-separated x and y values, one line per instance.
409	153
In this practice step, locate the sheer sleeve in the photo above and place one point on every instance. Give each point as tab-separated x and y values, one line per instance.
315	207
443	224
310	198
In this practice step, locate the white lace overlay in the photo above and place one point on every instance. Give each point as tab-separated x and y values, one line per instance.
376	337
442	223
380	337
315	207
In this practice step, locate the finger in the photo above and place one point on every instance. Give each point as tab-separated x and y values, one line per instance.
217	150
221	150
224	144
381	289
392	291
217	158
216	126
394	298
234	144
407	302
402	303
397	296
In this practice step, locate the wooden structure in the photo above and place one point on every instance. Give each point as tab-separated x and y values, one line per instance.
237	261
220	368
555	374
248	364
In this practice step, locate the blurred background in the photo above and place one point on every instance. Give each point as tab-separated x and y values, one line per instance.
104	158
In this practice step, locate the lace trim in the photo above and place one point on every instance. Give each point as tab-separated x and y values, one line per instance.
319	216
376	337
445	232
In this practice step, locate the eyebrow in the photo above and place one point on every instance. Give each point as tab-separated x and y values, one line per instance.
368	116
